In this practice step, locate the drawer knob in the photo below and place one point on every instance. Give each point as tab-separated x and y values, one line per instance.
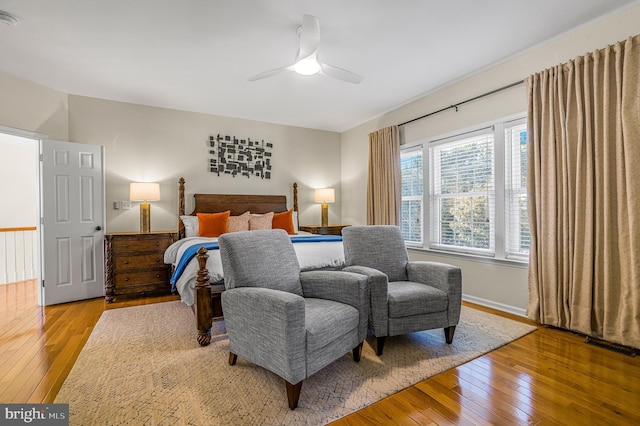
126	279
157	260
126	245
158	244
157	275
126	262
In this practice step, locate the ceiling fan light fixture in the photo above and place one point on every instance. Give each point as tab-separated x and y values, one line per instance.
306	62
307	66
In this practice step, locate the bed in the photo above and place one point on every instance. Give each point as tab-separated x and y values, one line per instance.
196	267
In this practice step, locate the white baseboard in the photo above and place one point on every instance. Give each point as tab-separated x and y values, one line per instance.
495	305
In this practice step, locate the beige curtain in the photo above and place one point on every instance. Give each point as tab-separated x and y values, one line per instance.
584	194
384	186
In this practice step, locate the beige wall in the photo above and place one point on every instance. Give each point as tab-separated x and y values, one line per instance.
501	286
32	107
355	151
160	145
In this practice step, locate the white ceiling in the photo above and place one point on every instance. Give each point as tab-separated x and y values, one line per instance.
196	55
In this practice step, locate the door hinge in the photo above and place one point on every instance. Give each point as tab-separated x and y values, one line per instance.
42	283
41	157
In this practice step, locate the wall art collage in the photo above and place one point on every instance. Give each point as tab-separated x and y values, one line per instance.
240	157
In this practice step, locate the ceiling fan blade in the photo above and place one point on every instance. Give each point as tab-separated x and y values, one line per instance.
309	34
270	73
340	74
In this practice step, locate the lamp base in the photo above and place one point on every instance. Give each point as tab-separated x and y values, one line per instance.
325	215
145	218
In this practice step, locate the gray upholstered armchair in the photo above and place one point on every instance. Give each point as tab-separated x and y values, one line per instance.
290	322
405	296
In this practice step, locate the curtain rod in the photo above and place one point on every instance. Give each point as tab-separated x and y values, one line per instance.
508	86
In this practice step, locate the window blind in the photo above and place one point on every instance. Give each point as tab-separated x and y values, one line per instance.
462	194
517	233
411	211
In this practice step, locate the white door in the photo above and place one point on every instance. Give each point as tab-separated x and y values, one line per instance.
72	221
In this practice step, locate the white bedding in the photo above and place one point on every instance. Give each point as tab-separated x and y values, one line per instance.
318	255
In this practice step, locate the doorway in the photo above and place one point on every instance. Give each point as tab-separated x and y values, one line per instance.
64	202
19	229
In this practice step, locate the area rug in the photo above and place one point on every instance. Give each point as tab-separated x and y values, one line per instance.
142	365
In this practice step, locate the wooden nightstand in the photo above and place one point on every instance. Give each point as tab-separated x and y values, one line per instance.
323	230
134	263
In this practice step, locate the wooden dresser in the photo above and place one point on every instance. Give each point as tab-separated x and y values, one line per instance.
134	263
323	230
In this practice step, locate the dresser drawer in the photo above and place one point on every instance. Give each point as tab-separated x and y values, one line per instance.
123	279
133	261
153	243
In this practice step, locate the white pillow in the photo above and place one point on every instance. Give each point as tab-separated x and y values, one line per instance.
190	225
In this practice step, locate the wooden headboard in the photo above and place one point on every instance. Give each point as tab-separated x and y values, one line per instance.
236	203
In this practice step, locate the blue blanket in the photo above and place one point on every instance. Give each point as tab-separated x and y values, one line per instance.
190	252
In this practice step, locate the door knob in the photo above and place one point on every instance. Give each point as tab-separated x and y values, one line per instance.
98	228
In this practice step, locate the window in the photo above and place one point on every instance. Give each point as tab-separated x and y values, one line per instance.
462	194
517	234
476	184
411	211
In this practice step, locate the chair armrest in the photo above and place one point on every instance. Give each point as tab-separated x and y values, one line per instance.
267	327
343	287
378	296
442	276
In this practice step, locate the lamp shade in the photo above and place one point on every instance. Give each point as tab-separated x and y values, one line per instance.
324	195
144	191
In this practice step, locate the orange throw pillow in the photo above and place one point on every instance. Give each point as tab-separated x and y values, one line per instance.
213	224
284	221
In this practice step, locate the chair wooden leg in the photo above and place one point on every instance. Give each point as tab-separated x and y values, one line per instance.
357	351
380	345
232	358
293	393
448	333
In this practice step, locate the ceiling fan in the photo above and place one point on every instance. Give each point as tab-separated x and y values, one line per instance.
306	62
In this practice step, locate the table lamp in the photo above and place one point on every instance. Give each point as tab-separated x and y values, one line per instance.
325	196
144	191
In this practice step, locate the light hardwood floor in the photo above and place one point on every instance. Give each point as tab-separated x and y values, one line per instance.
548	377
